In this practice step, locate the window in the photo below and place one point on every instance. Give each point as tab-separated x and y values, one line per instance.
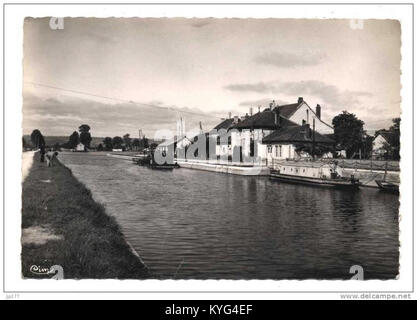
252	147
218	140
276	151
269	148
280	151
229	140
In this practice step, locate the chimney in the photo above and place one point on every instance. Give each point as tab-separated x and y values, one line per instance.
230	115
300	99
259	108
318	111
277	118
251	111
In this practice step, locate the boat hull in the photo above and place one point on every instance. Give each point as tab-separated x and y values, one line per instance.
388	186
325	183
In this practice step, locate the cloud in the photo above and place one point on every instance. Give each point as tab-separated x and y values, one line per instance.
326	93
260	87
62	116
290	60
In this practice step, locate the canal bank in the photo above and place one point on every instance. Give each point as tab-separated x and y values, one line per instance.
62	225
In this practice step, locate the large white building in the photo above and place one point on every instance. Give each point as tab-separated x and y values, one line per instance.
262	137
247	136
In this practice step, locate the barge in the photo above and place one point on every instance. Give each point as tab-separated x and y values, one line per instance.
315	174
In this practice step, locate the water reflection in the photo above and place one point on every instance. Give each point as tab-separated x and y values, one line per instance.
203	225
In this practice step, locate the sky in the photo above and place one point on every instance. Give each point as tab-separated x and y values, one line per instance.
119	75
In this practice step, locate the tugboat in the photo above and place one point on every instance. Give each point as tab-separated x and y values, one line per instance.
314	173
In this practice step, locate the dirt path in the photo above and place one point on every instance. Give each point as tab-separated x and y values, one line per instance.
27	161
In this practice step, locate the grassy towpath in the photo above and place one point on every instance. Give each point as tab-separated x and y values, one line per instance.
63	225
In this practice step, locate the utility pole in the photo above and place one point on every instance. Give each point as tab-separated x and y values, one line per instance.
314	139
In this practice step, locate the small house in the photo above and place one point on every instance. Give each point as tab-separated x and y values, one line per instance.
80	147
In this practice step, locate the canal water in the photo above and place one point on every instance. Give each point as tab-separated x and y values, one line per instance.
189	224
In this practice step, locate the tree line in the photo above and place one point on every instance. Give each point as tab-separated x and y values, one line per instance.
124	143
349	135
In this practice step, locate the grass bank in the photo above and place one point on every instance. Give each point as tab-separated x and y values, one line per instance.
63	225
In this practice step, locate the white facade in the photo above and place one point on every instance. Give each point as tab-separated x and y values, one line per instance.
280	152
377	149
379	142
305	112
80	147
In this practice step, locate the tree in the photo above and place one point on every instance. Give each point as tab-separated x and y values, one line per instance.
37	139
392	147
135	144
84	128
395	143
100	147
368	144
57	147
396	124
127	141
85	136
348	132
108	143
145	142
117	142
73	140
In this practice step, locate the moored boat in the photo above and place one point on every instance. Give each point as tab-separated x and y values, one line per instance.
317	174
388	186
147	160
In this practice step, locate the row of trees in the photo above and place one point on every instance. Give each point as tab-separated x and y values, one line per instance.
125	143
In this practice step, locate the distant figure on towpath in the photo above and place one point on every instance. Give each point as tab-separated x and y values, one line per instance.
50	155
42	151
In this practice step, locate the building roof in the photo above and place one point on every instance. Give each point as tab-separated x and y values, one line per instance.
225	124
289	109
389	136
264	120
293	134
173	141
